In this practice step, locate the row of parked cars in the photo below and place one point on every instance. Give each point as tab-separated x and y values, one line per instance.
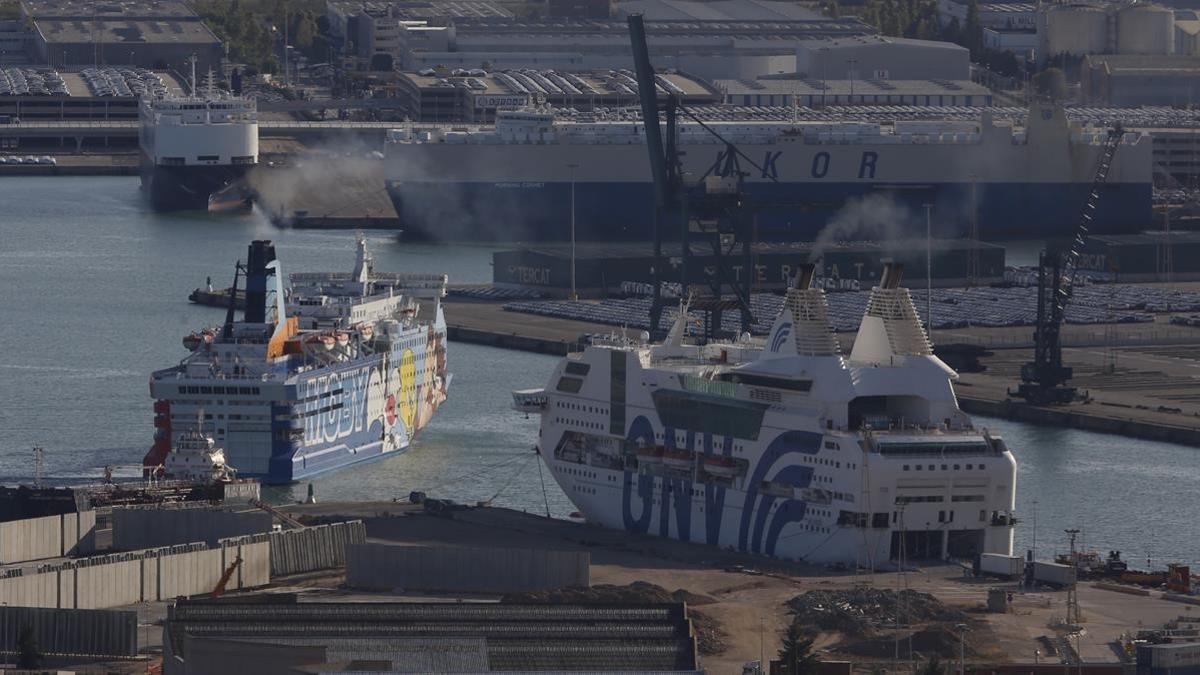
123	81
24	81
27	159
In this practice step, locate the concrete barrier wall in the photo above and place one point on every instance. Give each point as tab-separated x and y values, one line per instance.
314	548
136	528
71	631
47	537
141	576
486	570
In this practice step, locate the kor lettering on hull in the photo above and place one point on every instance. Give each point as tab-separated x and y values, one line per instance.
818	166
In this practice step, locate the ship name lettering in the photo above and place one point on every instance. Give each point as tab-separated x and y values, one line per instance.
820	165
768	166
866	168
530	275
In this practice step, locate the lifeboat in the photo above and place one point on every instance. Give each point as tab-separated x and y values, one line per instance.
343	339
681	460
367	332
192	342
720	466
327	341
650	456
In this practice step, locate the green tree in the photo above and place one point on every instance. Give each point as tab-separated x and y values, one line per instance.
1051	83
974	30
933	666
795	655
833	9
28	655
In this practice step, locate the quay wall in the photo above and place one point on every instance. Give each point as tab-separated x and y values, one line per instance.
141	576
136	528
320	547
483	570
87	632
1090	420
47	537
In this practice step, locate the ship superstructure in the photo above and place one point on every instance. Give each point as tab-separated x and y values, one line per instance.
519	178
785	447
192	147
336	370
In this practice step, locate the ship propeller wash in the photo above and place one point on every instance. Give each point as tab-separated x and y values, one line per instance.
785	447
337	370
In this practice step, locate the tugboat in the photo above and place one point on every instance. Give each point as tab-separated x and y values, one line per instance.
195	458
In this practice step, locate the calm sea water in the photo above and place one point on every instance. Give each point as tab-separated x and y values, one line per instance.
94	297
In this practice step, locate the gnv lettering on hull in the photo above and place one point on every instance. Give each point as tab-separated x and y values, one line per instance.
726	165
325	423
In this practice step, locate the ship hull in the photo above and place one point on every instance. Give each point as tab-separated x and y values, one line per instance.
186	188
796	211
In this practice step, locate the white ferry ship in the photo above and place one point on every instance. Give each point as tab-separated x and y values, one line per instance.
786	447
519	179
338	370
192	147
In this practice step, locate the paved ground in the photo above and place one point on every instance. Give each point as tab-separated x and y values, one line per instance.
751	608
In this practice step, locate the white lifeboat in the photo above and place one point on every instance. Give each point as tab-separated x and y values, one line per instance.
681	460
720	466
650	456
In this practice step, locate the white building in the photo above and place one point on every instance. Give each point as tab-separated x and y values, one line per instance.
876	57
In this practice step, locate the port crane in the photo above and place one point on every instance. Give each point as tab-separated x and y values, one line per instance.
1044	379
714	209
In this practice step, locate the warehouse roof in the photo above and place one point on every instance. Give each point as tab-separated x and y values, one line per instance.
515	636
815	86
89	9
1141	65
407	9
108	32
718	10
858	41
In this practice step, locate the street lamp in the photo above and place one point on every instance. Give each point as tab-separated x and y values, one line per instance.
824	52
574	294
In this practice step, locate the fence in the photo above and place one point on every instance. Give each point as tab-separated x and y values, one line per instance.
142	576
314	548
47	537
486	570
90	632
136	528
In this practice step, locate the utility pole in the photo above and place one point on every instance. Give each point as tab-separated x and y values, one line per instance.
574	293
929	271
973	254
38	465
1072	598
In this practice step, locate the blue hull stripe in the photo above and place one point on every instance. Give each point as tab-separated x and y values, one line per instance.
622	211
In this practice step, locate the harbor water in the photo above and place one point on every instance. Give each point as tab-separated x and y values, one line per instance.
95	288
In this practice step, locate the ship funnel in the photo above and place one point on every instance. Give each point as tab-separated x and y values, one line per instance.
258	259
804	277
891	326
802	327
893	272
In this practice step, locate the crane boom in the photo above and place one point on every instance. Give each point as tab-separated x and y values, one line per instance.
1043	379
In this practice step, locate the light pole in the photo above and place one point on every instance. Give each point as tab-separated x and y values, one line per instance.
824	52
852	62
1035	529
574	294
929	272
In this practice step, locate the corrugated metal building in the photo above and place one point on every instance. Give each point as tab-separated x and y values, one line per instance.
1132	80
277	634
876	57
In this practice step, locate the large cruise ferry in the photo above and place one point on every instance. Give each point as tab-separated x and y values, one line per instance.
786	447
336	370
193	147
527	175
